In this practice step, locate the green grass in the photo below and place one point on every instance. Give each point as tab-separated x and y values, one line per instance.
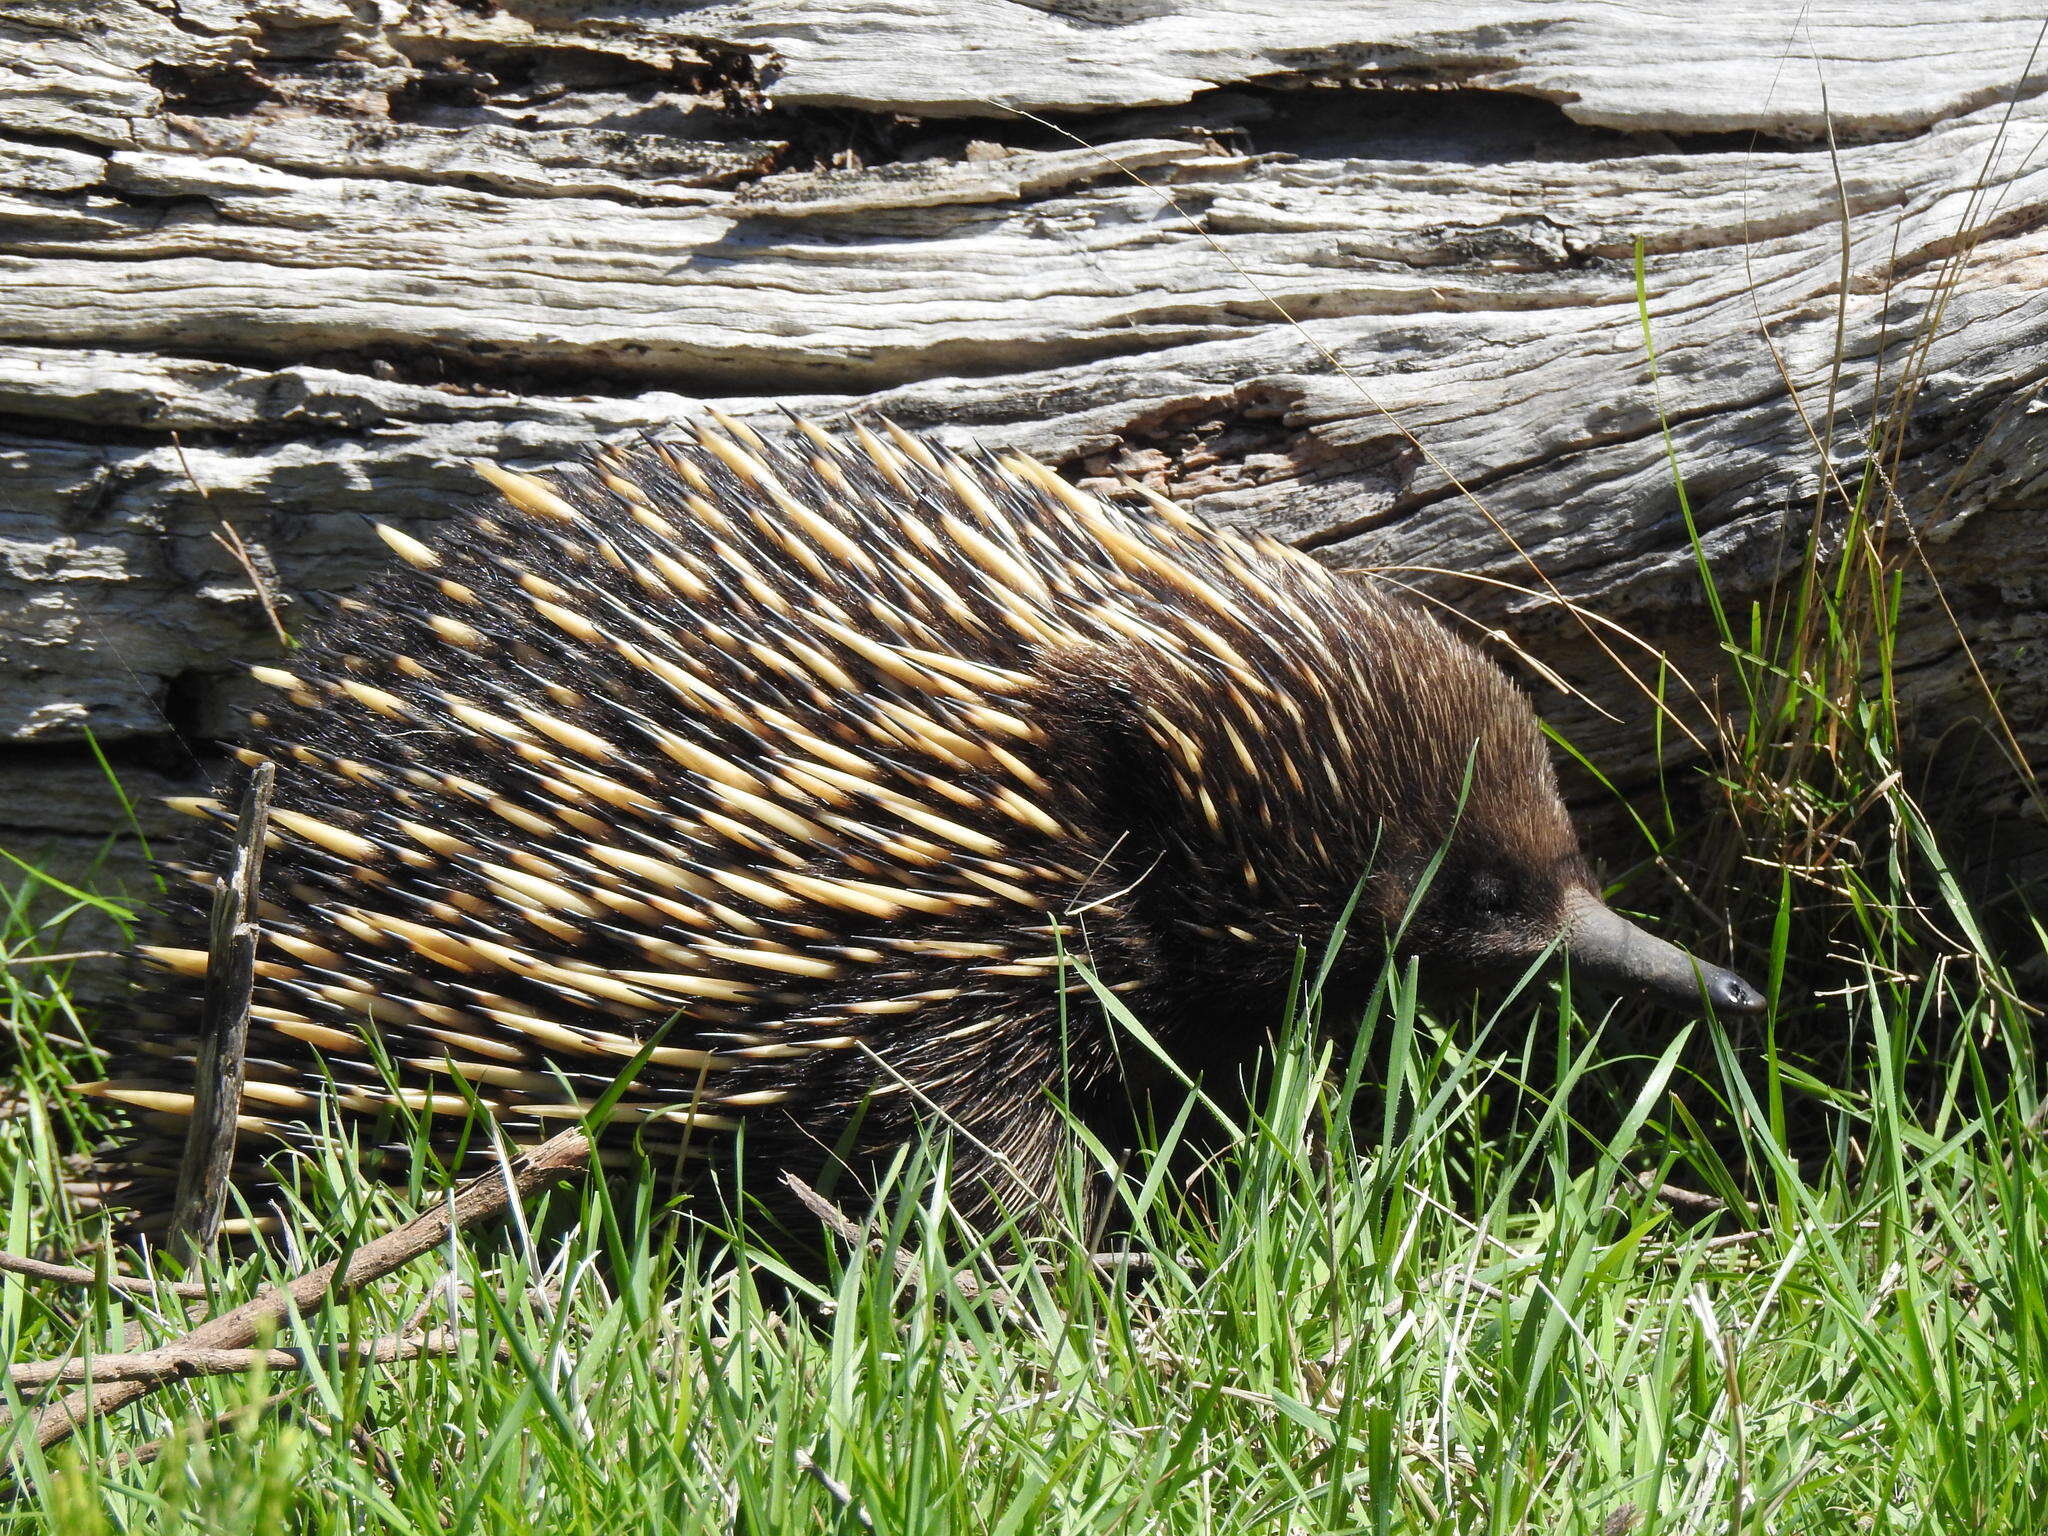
1388	1315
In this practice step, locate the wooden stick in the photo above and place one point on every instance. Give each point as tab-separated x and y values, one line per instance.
483	1196
71	1274
839	1492
842	1225
1692	1201
234	1418
223	1031
177	1362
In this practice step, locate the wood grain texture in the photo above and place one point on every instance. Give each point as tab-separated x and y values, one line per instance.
1673	65
291	266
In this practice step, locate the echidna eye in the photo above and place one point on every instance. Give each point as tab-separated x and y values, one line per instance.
1488	896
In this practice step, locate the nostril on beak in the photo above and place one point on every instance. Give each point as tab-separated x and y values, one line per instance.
1729	993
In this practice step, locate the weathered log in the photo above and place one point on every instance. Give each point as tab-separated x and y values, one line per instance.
1318	266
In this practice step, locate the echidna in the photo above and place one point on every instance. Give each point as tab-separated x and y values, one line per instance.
855	765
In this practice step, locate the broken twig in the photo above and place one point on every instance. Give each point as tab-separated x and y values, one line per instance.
482	1197
839	1492
71	1274
177	1362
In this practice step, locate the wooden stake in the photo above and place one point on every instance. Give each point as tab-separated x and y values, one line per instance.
223	1031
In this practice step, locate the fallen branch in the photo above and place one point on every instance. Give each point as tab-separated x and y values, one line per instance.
71	1274
178	1362
235	1418
482	1197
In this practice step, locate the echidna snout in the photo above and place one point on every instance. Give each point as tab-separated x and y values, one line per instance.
1607	947
854	766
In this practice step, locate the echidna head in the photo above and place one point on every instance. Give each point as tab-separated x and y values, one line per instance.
1511	886
1397	775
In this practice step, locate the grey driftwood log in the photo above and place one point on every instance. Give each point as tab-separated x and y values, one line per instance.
286	267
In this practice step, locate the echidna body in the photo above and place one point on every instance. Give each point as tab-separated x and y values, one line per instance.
852	767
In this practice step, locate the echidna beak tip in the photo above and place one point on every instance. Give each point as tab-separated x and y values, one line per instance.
1728	992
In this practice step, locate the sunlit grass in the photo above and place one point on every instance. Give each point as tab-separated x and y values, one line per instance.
1419	1294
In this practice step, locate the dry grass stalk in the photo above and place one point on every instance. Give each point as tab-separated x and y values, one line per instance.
229	539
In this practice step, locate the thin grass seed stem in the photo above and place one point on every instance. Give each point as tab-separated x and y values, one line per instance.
482	1197
229	538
